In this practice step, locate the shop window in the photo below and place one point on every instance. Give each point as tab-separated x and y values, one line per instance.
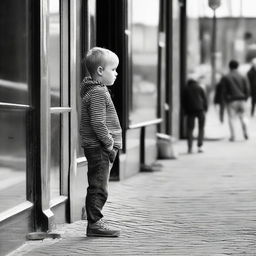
13	52
144	48
14	102
55	155
55	95
87	36
12	158
54	52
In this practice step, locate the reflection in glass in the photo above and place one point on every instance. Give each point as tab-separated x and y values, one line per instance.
92	23
54	52
86	39
55	155
13	52
144	29
12	158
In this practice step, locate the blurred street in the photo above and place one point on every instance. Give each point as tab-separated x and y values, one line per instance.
200	204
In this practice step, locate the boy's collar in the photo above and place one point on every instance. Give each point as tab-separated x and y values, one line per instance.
93	81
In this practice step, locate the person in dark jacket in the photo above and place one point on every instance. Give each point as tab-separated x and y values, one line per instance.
195	105
251	74
233	93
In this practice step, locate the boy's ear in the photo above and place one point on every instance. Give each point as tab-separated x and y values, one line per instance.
100	70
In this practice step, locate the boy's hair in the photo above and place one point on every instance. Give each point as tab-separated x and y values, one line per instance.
98	56
233	64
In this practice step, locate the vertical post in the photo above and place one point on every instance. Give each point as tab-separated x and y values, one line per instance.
45	124
213	50
183	61
214	4
74	114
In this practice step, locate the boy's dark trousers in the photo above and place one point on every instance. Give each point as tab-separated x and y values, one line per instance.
99	168
191	125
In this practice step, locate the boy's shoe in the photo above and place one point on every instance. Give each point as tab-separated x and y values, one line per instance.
101	229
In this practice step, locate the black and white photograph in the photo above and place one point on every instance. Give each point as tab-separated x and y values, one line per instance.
127	127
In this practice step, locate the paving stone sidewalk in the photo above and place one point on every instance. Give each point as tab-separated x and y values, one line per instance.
197	205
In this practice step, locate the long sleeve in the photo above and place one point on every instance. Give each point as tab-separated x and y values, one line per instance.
97	112
247	90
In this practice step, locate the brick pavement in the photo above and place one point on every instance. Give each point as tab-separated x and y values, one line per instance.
197	205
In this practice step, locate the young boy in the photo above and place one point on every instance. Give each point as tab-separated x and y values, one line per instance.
101	134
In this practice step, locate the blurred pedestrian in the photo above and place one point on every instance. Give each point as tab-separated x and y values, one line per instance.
195	105
251	74
233	91
219	101
101	135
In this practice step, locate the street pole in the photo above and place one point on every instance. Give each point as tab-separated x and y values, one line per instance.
214	4
213	49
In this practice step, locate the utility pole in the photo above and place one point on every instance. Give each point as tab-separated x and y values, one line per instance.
214	4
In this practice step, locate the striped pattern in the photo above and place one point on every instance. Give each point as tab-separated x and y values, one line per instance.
99	125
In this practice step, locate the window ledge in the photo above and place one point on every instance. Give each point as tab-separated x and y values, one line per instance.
15	210
58	200
147	123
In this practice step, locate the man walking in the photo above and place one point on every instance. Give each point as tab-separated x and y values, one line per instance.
233	92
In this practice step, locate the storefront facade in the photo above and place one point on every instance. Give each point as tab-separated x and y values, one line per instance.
42	164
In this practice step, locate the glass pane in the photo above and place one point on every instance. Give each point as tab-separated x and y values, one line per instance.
144	29
92	22
55	155
12	158
86	39
54	52
13	52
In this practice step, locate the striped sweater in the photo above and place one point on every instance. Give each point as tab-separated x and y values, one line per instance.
99	123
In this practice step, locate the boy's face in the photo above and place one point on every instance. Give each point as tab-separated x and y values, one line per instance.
109	73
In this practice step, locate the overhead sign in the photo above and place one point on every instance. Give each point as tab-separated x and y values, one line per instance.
214	4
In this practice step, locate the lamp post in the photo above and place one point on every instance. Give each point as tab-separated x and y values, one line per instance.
213	4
